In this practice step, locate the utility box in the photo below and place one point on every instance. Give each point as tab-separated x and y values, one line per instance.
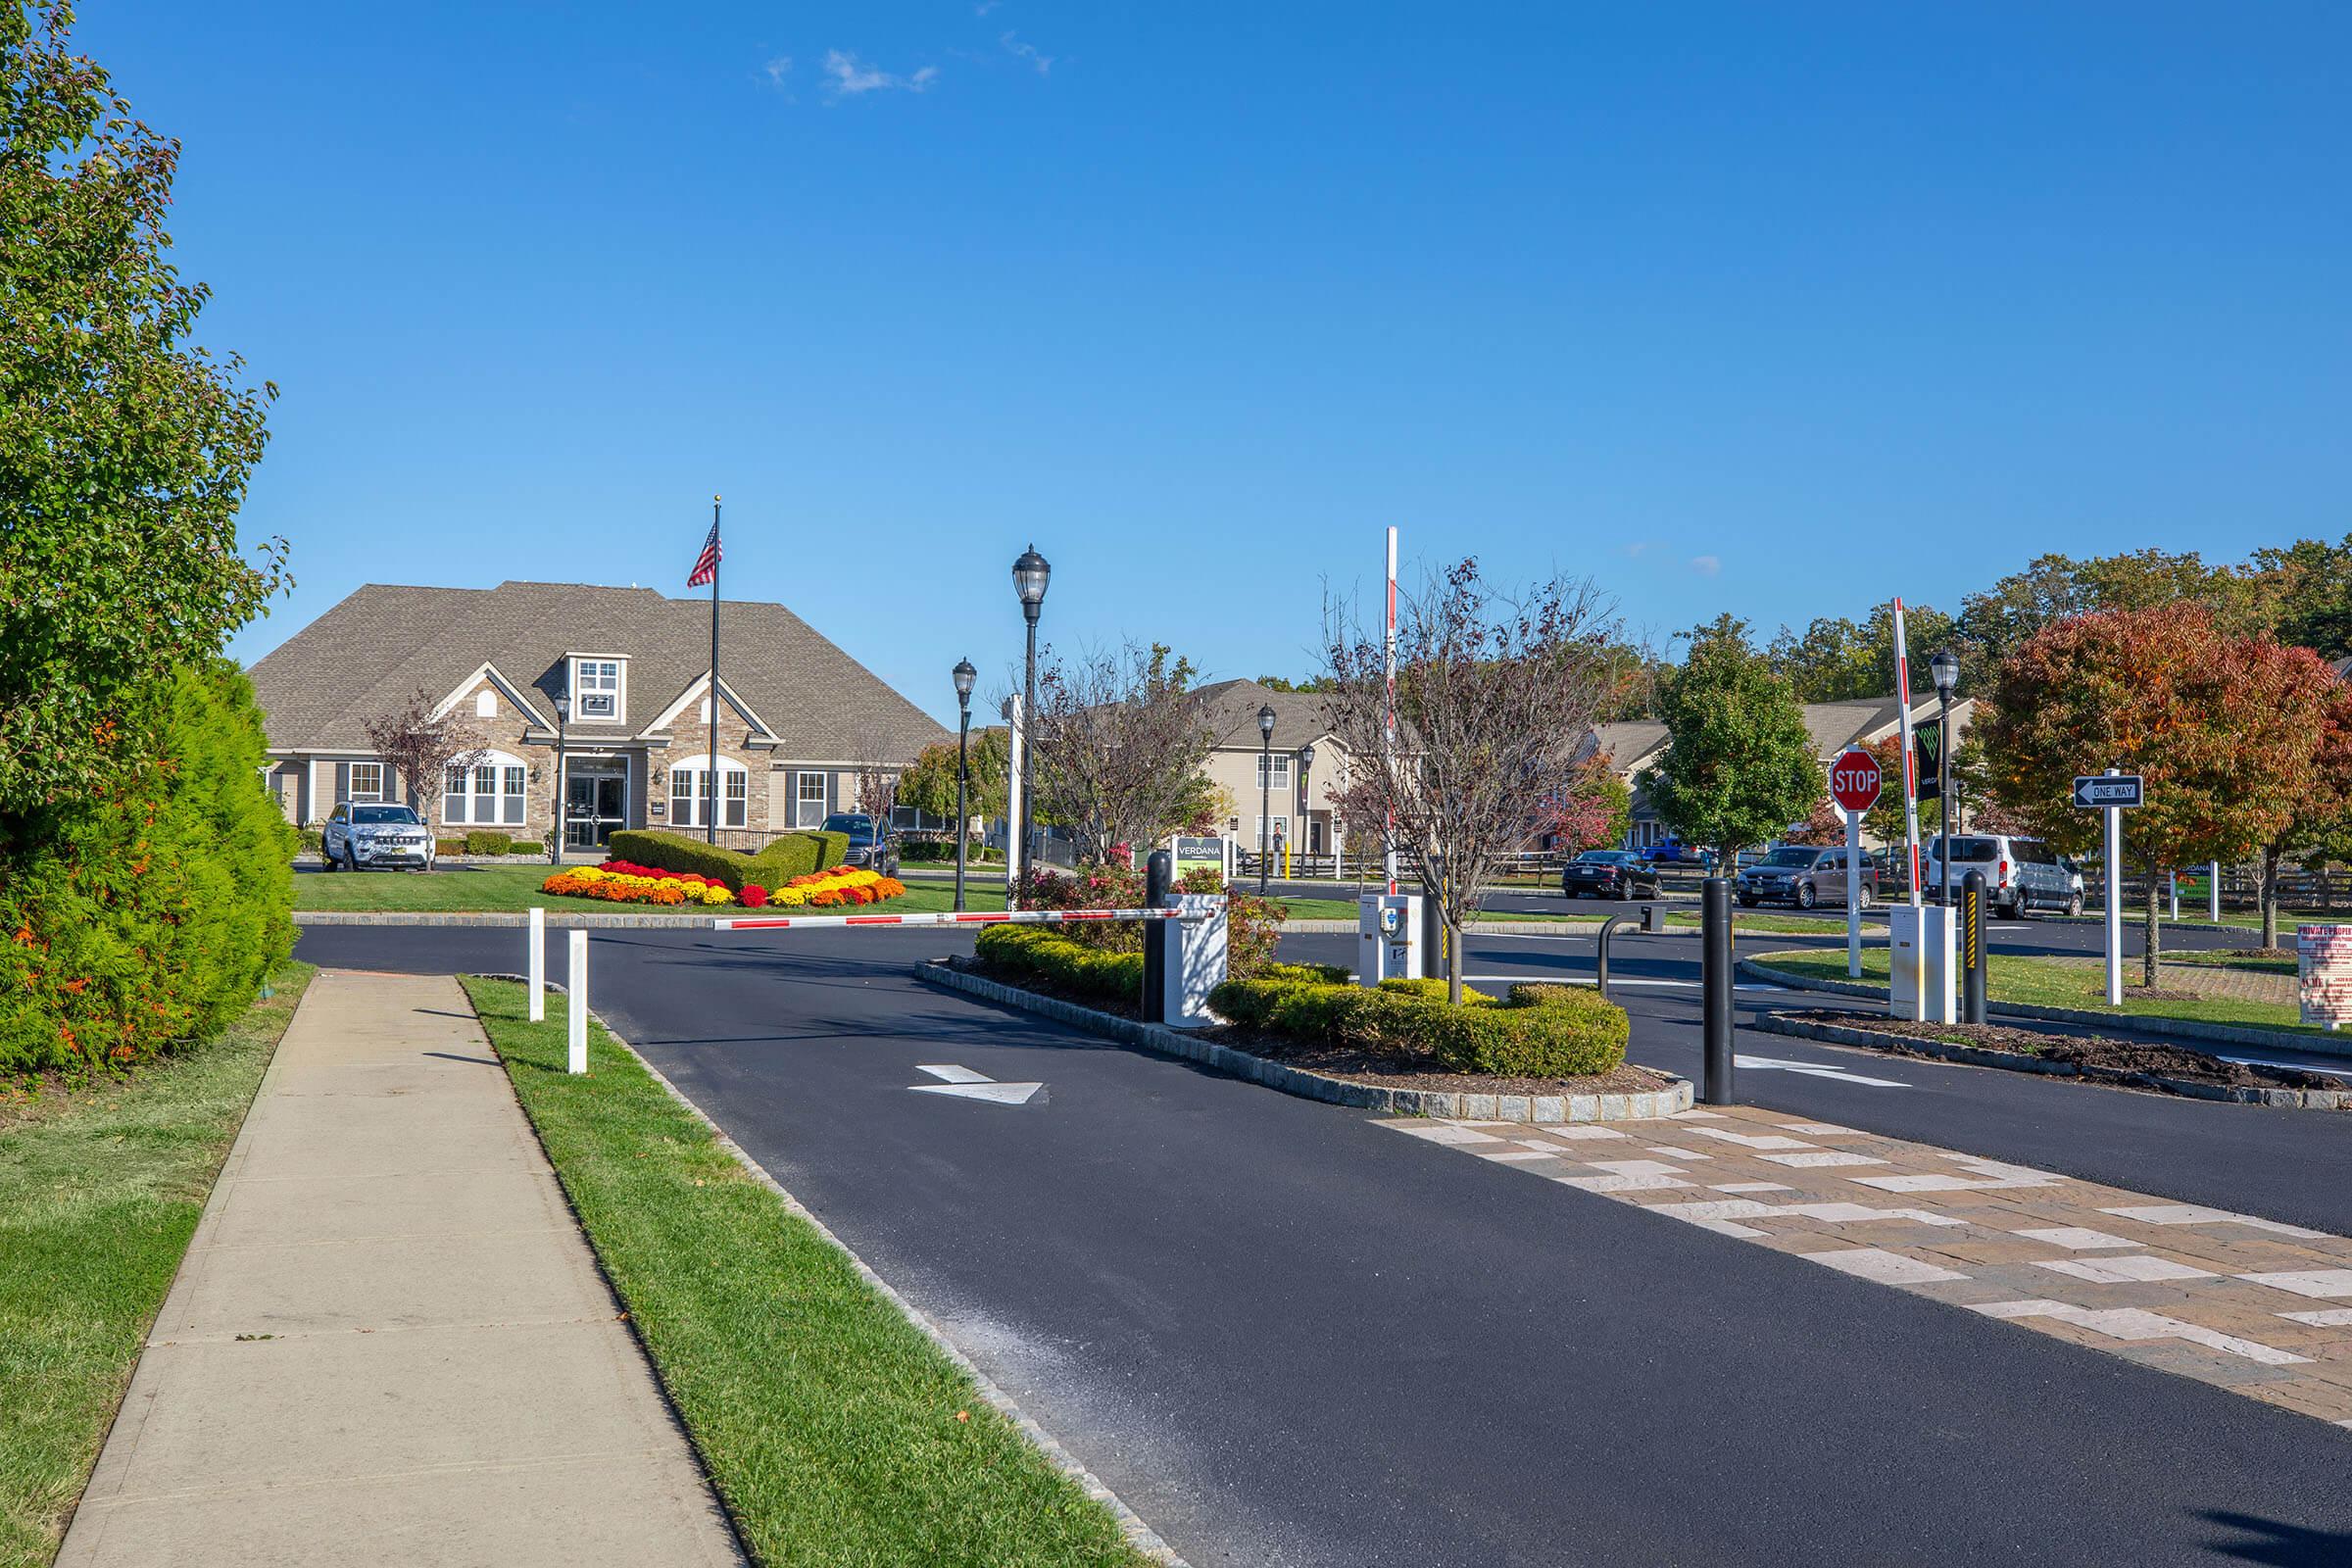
1920	963
1195	963
1388	937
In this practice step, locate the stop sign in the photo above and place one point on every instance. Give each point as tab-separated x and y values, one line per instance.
1854	780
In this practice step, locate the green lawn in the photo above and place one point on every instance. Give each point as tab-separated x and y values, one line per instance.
2040	982
100	1188
491	889
837	1432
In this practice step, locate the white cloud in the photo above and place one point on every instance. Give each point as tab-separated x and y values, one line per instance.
985	7
1029	52
1637	547
852	76
1706	565
778	69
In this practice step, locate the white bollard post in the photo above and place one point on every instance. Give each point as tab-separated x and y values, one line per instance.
2171	882
536	966
2212	890
575	1004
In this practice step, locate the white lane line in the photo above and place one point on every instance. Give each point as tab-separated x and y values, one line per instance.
1814	1070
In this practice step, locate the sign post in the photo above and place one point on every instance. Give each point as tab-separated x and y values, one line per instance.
1855	784
2113	792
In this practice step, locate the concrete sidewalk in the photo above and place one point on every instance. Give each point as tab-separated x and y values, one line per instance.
389	1343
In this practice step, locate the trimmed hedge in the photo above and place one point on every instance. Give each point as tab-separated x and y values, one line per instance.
142	919
783	859
481	842
1543	1031
1029	953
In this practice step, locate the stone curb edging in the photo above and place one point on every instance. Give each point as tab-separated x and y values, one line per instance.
2173	1028
1314	1085
1139	1534
2009	1062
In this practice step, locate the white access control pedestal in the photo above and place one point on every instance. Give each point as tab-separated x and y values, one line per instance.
1196	959
1388	945
1921	967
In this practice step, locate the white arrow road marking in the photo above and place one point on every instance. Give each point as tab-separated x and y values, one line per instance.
966	1084
1813	1069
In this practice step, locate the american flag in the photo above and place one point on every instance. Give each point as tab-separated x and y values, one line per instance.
706	565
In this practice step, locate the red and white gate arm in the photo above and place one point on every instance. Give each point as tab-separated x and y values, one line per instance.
774	923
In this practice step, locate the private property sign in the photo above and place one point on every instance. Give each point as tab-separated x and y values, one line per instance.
2324	974
1854	780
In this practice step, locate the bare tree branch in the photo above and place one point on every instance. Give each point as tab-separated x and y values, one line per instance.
1119	741
422	748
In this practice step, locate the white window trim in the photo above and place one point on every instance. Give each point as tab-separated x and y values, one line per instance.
732	774
472	796
382	778
485	702
579	694
799	798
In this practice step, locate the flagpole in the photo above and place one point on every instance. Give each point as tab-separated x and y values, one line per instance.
712	779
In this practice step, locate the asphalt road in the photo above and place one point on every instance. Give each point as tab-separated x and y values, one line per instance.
1288	1337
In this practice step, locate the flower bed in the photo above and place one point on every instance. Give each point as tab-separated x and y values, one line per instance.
625	882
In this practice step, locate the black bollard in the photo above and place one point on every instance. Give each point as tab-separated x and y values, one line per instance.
1715	991
1972	947
1434	954
1160	877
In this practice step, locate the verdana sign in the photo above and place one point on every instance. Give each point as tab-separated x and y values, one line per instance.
1855	780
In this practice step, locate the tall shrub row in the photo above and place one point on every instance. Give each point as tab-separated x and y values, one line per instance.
144	915
778	861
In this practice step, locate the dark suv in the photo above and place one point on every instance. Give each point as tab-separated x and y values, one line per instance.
1804	876
863	854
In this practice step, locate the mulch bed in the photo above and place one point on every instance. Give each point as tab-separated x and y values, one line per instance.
2113	1055
1357	1066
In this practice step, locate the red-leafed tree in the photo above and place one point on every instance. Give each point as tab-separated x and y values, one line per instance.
2320	828
2225	731
1594	812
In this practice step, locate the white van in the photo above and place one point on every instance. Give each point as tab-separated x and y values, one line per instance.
2021	874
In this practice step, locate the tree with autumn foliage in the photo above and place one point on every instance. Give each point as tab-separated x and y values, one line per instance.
2320	829
2224	731
1596	811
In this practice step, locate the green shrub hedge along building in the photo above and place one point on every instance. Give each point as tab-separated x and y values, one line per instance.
148	916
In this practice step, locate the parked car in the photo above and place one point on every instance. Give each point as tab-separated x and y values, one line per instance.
862	852
1673	852
1610	875
361	834
2021	874
1805	875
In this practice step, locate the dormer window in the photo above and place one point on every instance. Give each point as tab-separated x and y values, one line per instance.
598	692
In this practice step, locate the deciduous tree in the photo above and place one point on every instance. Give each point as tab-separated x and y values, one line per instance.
1119	738
1596	810
421	746
2224	730
1739	768
929	783
2320	828
1494	694
124	449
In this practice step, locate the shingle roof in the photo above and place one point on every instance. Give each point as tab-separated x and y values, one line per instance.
1233	705
379	645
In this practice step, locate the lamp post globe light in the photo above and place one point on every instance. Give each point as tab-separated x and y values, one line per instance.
1265	787
1030	573
555	854
1945	668
964	676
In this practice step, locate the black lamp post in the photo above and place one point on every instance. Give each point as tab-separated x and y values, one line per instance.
1029	575
1946	668
1306	801
966	674
555	855
1265	788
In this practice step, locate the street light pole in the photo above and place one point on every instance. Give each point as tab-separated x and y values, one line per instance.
1946	668
1265	789
1030	573
966	674
555	855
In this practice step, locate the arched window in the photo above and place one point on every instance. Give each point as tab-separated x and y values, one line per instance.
690	794
489	794
485	703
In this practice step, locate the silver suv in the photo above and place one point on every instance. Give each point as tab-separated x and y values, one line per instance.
2021	874
1804	876
361	834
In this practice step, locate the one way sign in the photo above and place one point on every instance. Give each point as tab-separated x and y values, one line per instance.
2107	792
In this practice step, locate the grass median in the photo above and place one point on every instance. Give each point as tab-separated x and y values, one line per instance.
2055	983
100	1188
837	1432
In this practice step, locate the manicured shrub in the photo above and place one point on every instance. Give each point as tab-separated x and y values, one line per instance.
831	847
1544	1031
449	846
1029	953
143	918
481	841
675	851
312	839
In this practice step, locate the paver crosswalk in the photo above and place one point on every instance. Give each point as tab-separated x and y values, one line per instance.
2233	1300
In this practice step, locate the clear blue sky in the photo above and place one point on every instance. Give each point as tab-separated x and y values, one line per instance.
1779	308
